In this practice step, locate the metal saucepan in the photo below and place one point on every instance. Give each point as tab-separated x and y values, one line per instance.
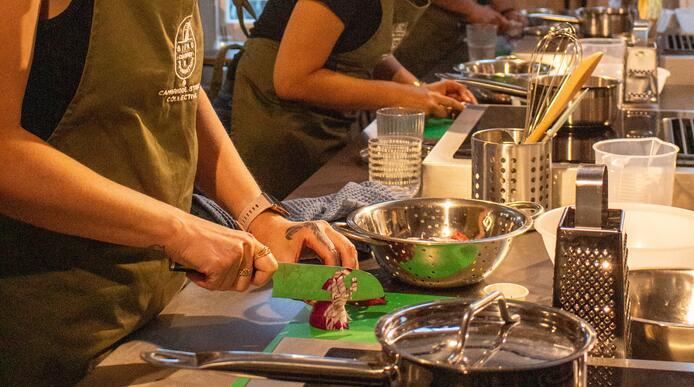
594	22
443	343
599	106
662	314
437	243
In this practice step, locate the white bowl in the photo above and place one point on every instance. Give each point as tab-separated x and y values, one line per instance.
657	236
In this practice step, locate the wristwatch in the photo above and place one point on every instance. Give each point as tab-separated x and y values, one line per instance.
264	202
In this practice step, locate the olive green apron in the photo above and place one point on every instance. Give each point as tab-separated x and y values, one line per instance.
284	142
435	42
65	299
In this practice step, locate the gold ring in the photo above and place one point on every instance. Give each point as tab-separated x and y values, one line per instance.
265	251
245	272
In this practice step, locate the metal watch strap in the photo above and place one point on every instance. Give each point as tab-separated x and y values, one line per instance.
259	205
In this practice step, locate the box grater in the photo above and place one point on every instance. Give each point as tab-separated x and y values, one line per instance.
590	270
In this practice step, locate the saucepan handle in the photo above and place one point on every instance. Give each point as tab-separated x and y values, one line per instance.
344	229
275	366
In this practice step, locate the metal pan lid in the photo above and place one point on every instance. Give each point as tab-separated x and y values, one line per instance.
496	335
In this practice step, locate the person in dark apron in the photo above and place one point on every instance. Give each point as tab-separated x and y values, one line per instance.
306	66
437	41
102	119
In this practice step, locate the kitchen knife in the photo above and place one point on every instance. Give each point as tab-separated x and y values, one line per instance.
303	281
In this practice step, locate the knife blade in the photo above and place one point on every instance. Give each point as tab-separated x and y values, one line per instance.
303	281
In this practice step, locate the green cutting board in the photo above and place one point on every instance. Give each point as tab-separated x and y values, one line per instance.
361	328
435	128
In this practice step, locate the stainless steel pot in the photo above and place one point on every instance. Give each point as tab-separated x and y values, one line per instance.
593	22
662	314
411	239
443	343
501	69
598	108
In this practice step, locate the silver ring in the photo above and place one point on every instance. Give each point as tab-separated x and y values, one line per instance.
264	252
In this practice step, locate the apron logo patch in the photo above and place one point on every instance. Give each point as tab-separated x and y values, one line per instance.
186	48
185	57
399	32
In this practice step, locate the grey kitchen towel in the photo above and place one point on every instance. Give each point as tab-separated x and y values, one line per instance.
208	209
338	205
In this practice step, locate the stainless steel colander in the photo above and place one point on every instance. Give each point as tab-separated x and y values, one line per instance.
413	239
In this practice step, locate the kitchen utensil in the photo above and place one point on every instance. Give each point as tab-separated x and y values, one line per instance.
640	169
437	243
659	236
400	121
501	68
505	171
590	270
303	281
500	87
559	47
396	162
593	22
641	67
481	40
565	93
565	116
599	108
662	314
442	343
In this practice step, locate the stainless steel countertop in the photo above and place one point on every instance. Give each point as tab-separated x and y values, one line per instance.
200	320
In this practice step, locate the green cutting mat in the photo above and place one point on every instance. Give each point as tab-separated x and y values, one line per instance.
435	128
361	328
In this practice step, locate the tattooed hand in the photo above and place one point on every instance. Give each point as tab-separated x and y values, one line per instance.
288	240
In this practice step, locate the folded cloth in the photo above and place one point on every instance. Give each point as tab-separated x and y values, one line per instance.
338	205
208	209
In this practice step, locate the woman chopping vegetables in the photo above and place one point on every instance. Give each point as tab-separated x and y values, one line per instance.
101	122
310	62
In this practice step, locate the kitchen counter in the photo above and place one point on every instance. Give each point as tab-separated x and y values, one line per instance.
200	320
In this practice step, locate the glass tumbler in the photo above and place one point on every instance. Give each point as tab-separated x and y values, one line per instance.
481	41
400	121
396	162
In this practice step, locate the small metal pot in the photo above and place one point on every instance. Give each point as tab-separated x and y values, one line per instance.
593	22
411	239
604	22
442	343
598	108
662	314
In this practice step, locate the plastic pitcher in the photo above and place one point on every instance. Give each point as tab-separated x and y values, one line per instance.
640	170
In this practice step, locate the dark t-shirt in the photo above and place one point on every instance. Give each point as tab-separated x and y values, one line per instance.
360	17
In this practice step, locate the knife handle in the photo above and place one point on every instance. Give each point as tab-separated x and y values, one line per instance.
173	266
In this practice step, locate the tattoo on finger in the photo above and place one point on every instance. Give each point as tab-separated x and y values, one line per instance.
317	232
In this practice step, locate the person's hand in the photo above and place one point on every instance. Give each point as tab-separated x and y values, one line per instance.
452	89
438	99
288	240
486	15
224	259
514	15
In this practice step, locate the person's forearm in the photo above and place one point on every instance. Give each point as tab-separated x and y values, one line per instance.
463	7
318	88
502	5
44	187
390	69
221	173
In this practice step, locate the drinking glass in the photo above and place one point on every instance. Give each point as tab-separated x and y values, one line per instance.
639	169
400	121
481	41
396	162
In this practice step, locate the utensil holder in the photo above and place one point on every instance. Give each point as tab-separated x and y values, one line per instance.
504	171
590	267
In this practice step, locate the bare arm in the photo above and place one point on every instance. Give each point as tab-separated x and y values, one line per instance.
299	72
476	13
44	187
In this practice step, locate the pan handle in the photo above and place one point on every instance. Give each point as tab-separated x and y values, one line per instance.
275	366
344	229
